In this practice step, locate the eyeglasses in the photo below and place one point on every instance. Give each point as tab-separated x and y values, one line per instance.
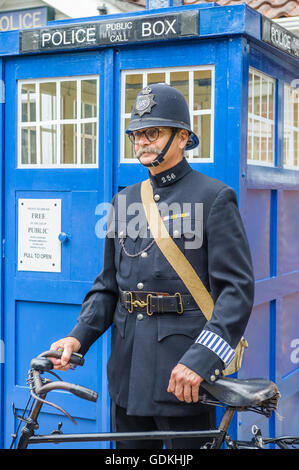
152	134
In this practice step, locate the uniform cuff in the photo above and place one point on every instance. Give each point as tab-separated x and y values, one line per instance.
218	345
203	361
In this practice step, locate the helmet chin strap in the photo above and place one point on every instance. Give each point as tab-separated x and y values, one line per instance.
160	158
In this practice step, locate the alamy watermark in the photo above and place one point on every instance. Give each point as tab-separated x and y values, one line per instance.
129	220
294	357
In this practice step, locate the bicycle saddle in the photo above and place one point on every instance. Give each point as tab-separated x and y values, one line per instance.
241	392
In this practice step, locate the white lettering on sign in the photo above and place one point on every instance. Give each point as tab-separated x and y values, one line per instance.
118	32
14	21
119	26
115	31
39	248
281	38
69	37
158	28
121	37
46	37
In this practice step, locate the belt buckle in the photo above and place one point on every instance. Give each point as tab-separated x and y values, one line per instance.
180	311
148	300
136	303
131	308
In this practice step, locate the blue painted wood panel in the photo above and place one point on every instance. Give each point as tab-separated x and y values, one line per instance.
288	248
257	223
256	364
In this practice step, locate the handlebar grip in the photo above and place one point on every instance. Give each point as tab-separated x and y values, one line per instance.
83	392
76	358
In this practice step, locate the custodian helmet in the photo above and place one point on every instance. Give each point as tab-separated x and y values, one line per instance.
162	105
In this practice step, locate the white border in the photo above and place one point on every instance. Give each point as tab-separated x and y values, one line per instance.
167	71
57	122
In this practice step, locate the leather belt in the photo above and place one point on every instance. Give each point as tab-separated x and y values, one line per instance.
157	302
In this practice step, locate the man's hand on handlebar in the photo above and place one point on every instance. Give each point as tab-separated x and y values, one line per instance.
69	345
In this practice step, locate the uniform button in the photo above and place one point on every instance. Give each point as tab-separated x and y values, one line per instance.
217	371
176	234
121	234
140	316
212	378
144	255
157	197
140	285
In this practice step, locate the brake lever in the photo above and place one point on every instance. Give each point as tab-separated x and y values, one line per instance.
42	364
31	383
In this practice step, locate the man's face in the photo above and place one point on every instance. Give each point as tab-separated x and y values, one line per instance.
149	142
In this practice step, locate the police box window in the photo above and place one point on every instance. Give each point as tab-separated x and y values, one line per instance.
261	118
197	86
291	127
58	122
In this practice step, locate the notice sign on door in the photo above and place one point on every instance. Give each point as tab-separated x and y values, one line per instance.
39	248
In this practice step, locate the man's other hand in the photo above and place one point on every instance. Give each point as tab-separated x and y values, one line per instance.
184	383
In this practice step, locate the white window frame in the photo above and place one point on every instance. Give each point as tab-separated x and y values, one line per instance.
288	161
57	122
167	71
261	119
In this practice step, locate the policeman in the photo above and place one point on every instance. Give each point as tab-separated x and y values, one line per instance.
163	346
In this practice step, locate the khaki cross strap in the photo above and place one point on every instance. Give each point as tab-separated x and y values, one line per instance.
181	265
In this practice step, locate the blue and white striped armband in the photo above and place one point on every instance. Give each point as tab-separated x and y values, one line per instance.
216	344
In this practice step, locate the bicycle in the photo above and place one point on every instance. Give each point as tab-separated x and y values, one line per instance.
257	395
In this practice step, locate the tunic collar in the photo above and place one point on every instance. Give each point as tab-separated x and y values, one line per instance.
172	175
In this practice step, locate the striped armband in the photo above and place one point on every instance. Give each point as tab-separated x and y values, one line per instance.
216	344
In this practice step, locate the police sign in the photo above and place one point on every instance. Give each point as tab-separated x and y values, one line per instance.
137	29
25	19
280	38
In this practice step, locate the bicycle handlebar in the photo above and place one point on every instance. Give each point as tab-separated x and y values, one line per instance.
83	392
75	359
79	390
41	363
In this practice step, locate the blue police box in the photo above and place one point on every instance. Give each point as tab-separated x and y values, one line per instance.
66	96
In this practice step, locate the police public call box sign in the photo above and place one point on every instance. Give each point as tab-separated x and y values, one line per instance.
280	38
111	32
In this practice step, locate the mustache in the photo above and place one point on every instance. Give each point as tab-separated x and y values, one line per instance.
141	151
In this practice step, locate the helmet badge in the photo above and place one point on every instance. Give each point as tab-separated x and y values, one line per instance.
144	102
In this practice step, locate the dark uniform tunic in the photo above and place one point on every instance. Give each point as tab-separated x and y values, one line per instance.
146	348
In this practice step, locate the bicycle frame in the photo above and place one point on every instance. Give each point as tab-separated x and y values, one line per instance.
28	437
218	436
40	387
95	437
